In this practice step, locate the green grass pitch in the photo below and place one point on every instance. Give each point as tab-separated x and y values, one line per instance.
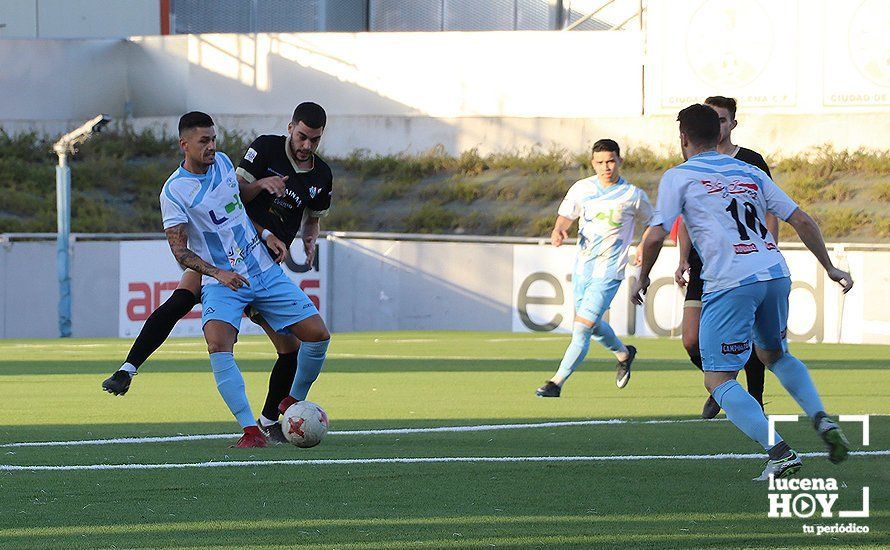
50	391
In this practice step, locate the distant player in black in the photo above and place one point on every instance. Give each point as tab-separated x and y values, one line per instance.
691	262
283	223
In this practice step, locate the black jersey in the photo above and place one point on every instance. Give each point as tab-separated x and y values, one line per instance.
310	189
753	158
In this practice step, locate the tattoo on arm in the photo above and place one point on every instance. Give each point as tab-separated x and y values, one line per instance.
178	240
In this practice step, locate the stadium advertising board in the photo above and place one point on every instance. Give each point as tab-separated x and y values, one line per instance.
542	297
149	274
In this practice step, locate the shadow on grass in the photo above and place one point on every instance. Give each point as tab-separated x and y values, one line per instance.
395	364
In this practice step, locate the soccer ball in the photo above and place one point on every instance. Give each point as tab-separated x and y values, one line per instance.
304	424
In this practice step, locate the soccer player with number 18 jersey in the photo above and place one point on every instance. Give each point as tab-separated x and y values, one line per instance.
723	202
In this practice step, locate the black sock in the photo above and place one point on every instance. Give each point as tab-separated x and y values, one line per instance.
754	369
696	360
779	450
280	381
159	324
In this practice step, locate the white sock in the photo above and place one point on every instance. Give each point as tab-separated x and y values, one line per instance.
129	368
266	422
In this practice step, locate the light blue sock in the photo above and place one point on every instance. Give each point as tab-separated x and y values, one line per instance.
575	353
230	384
604	334
744	411
310	359
795	378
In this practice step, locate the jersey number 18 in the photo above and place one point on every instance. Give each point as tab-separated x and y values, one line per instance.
752	221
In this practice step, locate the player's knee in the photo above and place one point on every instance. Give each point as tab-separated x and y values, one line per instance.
318	335
711	383
218	346
287	345
311	330
769	357
218	338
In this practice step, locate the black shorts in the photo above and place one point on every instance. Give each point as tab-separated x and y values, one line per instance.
695	284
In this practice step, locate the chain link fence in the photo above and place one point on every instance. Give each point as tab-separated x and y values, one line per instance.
253	16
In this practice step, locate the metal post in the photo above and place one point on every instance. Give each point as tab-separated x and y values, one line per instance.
63	259
67	144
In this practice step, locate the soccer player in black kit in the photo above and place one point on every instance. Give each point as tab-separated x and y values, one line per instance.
286	188
691	262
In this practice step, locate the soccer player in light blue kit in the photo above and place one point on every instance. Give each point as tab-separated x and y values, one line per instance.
607	206
210	232
724	202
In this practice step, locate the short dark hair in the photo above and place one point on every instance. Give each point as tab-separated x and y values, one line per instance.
310	114
727	103
609	145
700	123
194	119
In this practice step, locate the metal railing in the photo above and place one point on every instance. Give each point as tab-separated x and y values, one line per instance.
9	238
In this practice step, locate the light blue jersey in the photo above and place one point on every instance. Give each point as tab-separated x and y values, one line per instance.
218	228
606	226
724	202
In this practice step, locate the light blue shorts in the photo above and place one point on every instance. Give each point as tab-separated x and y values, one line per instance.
734	319
594	296
281	302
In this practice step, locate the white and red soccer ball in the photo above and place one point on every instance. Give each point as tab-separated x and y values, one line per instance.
304	424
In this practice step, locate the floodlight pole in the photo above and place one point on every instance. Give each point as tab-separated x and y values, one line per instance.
63	240
68	144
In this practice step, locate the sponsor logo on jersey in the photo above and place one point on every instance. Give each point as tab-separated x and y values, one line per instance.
734	188
744	248
737	187
313	191
250	155
712	186
771	246
735	348
229	208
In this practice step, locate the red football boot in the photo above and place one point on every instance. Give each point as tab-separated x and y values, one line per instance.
252	437
286	402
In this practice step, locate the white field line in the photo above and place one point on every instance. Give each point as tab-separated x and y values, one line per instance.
425	357
391	431
419	460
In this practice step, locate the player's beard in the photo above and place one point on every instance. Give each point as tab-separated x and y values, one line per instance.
298	152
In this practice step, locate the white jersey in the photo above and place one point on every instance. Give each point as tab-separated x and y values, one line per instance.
218	228
724	202
606	225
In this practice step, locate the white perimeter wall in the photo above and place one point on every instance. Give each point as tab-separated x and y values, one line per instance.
386	284
806	72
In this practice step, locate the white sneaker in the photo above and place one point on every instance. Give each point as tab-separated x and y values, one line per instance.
783	467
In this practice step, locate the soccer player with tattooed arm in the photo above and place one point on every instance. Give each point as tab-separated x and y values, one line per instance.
282	225
210	232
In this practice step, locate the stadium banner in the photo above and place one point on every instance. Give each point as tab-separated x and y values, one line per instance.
819	312
755	59
856	53
149	274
